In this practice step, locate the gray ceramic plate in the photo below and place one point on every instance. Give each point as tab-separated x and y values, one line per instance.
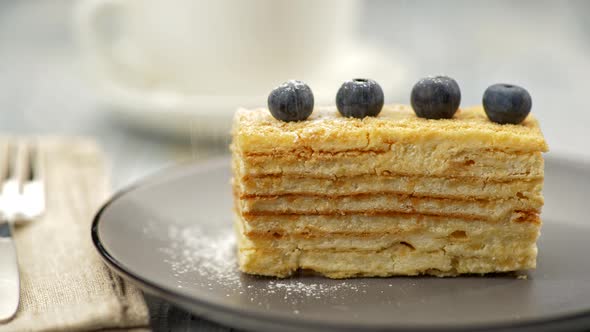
172	236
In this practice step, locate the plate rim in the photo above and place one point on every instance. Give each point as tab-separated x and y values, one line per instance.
553	322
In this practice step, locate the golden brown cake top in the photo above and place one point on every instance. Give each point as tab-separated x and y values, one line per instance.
256	131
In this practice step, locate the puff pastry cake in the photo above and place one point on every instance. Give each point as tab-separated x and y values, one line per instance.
388	195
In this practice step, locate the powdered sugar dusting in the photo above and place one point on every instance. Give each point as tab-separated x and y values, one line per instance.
192	251
209	260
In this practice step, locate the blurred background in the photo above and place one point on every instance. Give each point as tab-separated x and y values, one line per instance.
156	82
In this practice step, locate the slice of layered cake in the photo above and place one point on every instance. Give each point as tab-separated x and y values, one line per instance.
391	194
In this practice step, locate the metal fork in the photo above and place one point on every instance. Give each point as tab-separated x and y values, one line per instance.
22	198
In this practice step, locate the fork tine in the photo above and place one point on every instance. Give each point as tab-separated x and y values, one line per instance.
35	163
12	175
11	186
21	164
4	168
10	161
34	185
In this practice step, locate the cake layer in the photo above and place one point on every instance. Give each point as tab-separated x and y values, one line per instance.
448	256
393	223
370	184
397	260
417	160
256	131
493	210
478	238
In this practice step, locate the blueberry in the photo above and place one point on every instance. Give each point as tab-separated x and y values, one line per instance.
291	101
436	97
359	98
507	103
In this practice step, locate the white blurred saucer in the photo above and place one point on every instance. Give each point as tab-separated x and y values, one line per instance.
165	111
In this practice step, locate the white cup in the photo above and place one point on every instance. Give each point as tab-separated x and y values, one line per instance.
211	48
184	66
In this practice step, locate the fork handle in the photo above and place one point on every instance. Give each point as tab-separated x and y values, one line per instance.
9	279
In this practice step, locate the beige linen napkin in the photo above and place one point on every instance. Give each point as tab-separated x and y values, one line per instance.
64	284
